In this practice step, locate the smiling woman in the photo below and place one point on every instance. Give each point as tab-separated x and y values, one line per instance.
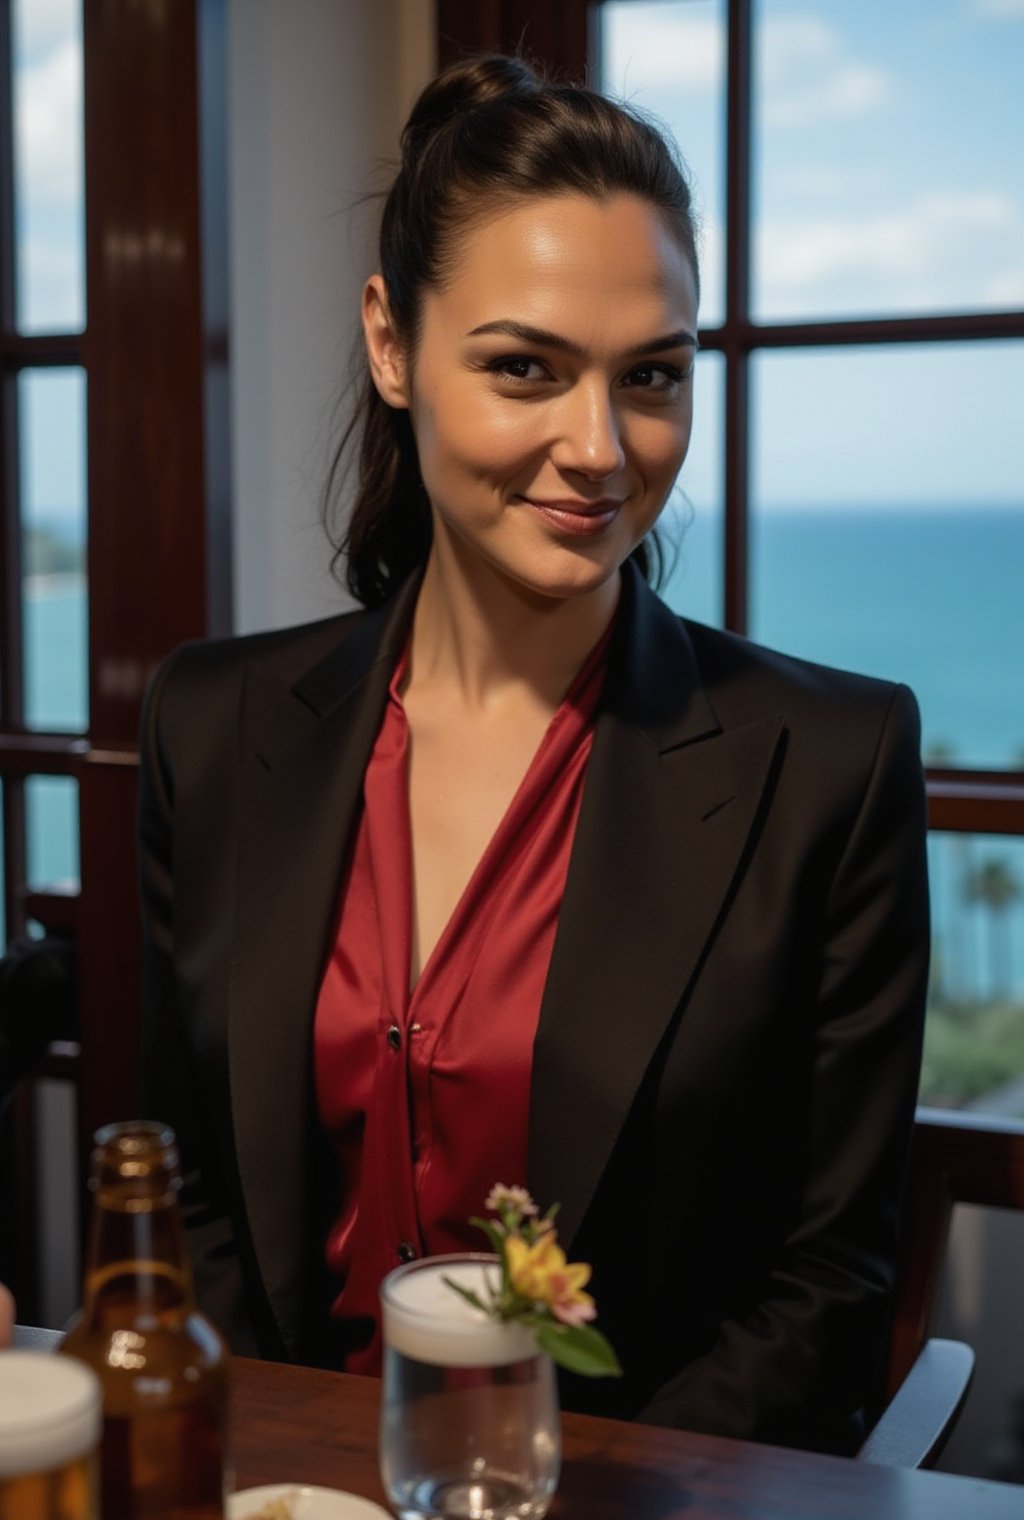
549	391
514	874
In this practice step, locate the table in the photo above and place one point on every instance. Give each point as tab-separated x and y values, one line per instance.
297	1425
293	1424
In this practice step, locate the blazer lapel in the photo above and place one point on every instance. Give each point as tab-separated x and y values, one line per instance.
304	750
669	803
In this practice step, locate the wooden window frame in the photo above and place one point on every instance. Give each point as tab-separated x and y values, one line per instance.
154	352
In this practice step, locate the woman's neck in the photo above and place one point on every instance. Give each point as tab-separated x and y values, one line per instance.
485	639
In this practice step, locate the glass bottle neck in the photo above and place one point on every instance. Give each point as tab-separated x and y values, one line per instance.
137	1259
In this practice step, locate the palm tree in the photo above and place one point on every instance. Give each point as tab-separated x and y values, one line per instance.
994	885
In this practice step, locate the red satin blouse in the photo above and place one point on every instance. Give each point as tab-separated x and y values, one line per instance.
425	1094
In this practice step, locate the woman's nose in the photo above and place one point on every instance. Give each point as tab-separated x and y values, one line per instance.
590	440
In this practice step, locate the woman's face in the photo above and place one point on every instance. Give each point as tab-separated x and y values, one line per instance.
550	392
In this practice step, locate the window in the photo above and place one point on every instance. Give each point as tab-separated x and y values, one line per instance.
864	278
114	442
856	489
43	625
42	491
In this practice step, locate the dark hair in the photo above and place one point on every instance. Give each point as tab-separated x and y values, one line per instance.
487	131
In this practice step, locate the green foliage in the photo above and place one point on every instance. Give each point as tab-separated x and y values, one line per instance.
579	1348
971	1049
45	553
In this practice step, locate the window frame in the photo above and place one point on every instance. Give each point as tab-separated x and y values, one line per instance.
22	752
155	353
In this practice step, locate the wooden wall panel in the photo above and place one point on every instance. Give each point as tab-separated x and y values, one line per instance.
557	33
156	356
143	349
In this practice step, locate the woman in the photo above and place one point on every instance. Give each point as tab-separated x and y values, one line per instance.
515	876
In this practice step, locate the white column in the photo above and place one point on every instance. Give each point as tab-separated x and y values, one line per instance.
318	90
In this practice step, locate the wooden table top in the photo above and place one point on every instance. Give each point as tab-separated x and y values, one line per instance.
295	1425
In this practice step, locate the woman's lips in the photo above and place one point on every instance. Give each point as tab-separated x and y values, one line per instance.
584	519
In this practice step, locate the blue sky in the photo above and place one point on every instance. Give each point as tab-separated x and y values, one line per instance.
889	176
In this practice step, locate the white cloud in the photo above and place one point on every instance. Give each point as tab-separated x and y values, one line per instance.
915	256
1006	288
658	45
807	75
49	125
1003	10
829	181
40	26
51	287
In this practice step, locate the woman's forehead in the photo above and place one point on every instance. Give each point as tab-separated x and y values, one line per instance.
556	260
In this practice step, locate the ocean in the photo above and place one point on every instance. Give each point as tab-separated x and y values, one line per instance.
930	597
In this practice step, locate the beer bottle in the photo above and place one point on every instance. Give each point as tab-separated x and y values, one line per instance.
162	1365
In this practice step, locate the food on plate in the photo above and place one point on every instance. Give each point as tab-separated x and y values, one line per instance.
281	1508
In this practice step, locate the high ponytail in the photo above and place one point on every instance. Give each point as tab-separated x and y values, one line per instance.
486	132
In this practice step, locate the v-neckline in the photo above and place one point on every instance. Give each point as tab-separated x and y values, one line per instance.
465	919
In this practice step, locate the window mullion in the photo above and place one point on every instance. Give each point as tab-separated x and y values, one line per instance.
6	173
737	312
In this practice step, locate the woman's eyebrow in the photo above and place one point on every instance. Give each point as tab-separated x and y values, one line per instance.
541	338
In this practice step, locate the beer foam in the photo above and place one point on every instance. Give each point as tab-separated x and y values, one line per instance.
428	1321
51	1410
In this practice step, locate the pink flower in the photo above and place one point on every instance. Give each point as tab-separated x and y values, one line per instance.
513	1199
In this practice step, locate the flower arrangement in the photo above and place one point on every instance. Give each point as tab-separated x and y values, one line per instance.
538	1287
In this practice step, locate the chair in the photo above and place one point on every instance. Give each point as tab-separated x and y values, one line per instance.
955	1158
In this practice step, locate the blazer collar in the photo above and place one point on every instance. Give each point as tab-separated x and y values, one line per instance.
670	803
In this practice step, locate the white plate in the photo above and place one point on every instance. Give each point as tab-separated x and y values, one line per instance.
307	1503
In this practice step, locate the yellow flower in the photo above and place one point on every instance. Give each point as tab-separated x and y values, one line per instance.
540	1272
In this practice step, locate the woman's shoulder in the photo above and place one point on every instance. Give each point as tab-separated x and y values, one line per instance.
838	723
282	653
840	727
196	693
740	674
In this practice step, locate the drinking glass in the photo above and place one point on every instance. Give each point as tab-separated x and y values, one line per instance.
51	1411
469	1425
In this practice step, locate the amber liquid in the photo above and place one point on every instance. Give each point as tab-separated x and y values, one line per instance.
66	1493
164	1377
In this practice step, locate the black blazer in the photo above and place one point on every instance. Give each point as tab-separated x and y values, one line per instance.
726	1062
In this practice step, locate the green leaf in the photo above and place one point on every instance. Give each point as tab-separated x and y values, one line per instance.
579	1348
467	1294
496	1236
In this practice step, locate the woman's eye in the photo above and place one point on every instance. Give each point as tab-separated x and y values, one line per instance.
662	378
521	370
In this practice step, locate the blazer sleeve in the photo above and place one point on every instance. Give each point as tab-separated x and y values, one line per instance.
802	1365
175	1087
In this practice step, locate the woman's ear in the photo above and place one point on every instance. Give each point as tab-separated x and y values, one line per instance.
383	350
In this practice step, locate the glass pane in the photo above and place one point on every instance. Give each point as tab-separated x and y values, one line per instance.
668	58
887	528
48	198
51	828
887	157
691	527
974	1044
51	406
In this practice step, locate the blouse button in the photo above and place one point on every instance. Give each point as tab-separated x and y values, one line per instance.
406	1251
394	1037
